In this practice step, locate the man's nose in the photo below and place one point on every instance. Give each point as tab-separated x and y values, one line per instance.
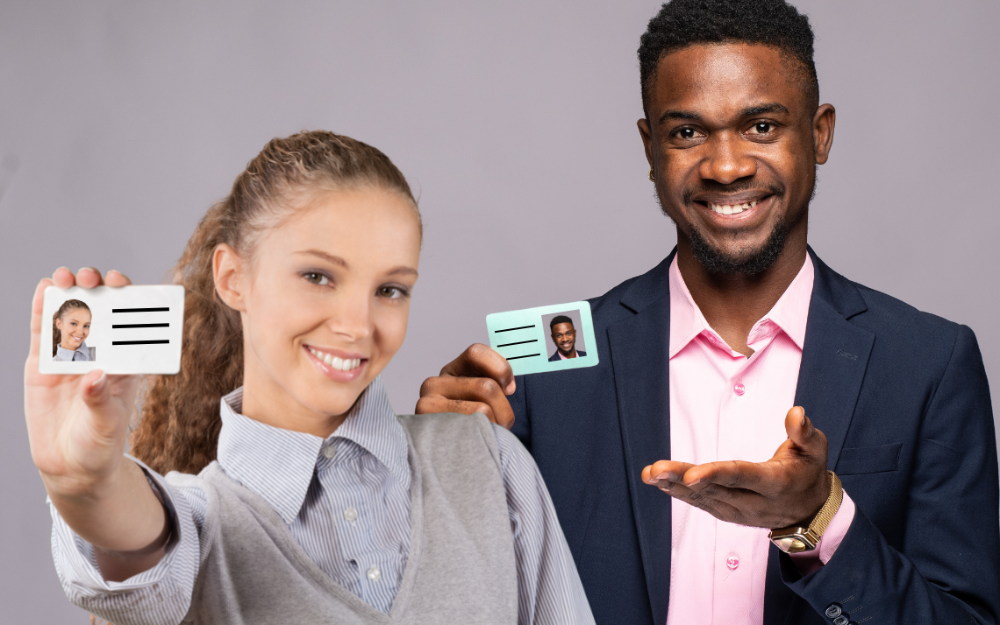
727	160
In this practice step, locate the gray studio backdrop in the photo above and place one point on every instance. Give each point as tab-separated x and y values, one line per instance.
120	122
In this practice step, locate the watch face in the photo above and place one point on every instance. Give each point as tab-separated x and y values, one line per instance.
790	544
793	540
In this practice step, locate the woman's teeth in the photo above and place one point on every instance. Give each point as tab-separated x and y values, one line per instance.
732	209
340	364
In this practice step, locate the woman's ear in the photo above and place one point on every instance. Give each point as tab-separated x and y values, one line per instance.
228	271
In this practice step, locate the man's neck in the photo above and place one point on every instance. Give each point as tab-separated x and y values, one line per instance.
733	303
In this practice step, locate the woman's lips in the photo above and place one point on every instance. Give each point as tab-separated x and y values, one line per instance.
336	367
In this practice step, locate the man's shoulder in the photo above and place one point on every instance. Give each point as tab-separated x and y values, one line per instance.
898	327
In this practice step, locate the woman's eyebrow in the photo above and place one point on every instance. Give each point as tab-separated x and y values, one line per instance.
336	260
409	271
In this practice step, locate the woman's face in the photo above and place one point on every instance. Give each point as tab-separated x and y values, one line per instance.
326	306
74	327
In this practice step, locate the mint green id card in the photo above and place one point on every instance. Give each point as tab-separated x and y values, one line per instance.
547	338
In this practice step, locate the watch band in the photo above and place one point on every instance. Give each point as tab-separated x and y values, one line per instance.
822	519
796	539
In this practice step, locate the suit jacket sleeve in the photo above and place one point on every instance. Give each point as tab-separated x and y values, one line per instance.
941	566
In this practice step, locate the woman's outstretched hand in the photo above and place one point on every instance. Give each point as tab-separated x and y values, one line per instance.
77	428
77	424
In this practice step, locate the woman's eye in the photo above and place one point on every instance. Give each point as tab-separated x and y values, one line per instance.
316	278
391	292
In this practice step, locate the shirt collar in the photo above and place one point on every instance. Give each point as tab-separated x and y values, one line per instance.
279	464
789	314
67	354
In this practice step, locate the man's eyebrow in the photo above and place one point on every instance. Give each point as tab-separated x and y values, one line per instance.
761	109
676	114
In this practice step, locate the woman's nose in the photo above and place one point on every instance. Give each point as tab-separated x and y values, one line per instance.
353	320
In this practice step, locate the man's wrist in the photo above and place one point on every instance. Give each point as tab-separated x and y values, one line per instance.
806	536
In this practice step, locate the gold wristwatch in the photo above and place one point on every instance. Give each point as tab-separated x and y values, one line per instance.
797	539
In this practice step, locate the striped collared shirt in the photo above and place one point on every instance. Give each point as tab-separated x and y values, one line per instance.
346	502
81	353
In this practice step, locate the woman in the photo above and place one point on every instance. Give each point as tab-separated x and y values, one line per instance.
70	329
312	501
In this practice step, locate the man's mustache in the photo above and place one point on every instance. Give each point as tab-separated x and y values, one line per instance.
710	186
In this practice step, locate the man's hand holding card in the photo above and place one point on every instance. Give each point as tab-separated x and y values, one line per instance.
534	340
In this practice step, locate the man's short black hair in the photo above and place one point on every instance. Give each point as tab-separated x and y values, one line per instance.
682	23
560	319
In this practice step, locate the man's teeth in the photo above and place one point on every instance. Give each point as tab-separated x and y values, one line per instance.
340	364
732	209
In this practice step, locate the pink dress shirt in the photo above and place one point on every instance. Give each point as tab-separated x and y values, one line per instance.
725	406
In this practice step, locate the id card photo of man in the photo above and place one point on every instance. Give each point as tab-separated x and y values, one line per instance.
563	333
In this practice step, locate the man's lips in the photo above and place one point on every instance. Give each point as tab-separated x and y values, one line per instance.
730	206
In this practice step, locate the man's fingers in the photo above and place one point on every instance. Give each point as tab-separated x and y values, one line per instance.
480	361
803	434
665	471
428	405
730	474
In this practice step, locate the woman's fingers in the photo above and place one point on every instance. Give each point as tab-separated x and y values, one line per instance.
116	278
88	277
31	367
63	278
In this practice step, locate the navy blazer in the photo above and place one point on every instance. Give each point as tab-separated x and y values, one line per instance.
903	399
555	357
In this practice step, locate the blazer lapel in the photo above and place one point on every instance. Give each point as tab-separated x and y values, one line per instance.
834	360
639	347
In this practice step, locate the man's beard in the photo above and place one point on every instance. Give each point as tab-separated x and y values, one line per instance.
752	263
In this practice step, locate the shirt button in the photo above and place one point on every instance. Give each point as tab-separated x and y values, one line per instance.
351	515
374	574
739	389
733	562
329	452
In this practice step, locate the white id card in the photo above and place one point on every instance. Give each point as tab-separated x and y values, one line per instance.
130	329
547	338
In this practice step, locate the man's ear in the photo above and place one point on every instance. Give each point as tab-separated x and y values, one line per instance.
823	123
646	134
229	272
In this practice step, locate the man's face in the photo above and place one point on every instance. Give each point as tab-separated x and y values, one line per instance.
733	147
564	336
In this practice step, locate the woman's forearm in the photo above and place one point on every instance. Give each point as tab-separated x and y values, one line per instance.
122	518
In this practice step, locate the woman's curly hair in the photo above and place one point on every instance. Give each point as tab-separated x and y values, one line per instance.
178	423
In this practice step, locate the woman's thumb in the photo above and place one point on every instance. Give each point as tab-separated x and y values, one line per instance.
95	389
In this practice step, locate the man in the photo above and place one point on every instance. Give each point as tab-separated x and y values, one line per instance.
712	360
564	337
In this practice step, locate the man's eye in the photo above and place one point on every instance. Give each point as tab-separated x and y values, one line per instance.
316	278
686	133
762	128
